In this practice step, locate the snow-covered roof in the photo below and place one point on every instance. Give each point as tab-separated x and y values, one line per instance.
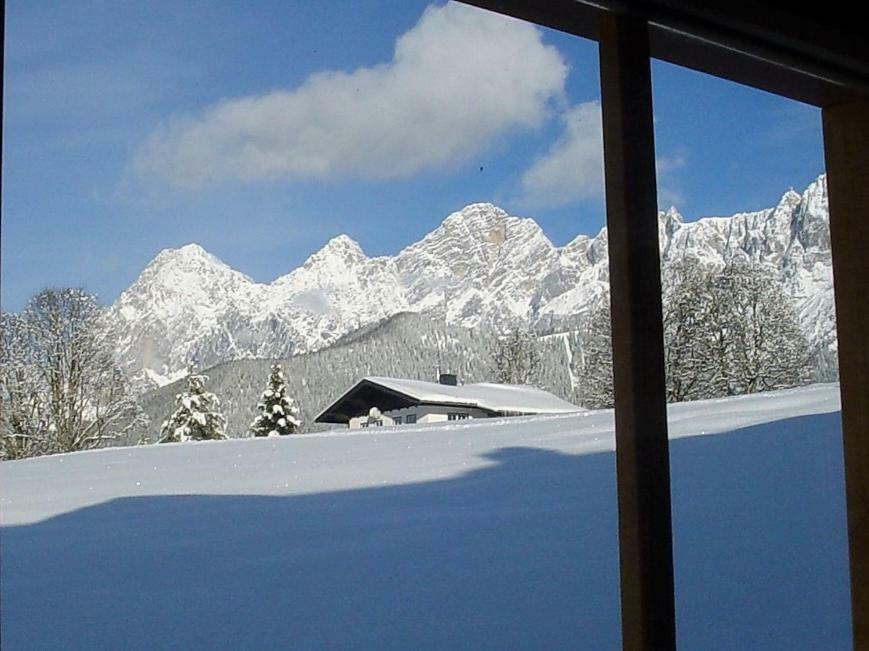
389	393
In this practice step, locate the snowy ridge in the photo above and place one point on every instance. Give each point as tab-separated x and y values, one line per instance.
189	309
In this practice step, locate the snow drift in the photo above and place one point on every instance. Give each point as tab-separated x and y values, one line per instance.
488	534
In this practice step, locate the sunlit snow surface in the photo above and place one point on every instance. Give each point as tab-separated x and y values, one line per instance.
487	534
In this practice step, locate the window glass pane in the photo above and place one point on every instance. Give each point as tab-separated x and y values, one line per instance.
749	323
354	193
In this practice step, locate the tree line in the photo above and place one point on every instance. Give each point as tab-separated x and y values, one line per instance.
727	331
61	389
198	417
406	345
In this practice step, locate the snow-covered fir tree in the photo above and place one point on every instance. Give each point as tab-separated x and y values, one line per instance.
516	357
197	415
594	358
278	413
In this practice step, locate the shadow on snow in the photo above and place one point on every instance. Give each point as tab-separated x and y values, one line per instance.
520	554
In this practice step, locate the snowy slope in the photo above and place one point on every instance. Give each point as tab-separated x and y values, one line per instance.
489	534
187	308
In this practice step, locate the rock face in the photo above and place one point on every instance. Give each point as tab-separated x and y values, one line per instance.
793	237
187	308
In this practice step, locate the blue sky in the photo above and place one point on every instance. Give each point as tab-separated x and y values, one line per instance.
261	130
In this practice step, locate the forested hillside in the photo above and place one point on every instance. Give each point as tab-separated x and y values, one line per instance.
407	346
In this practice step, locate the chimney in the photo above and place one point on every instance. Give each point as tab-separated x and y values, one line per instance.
450	379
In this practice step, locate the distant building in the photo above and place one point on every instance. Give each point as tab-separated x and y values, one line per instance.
378	401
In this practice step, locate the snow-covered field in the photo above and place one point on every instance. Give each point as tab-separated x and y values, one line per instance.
489	534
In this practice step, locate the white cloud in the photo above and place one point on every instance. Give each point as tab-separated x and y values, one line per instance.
458	79
666	169
572	169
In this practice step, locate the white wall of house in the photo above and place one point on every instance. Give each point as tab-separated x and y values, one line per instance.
439	414
423	414
367	421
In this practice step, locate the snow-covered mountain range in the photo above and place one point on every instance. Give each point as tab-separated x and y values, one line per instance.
187	308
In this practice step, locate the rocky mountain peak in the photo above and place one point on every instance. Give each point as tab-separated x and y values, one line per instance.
790	198
482	264
186	253
187	269
189	261
482	213
814	199
341	250
479	223
671	215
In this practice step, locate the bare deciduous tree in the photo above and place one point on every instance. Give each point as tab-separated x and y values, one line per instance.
730	331
686	311
727	332
66	392
21	408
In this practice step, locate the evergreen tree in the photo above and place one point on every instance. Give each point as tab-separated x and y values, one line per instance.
516	358
594	362
196	416
278	413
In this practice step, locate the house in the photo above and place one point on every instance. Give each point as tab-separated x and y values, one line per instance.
378	401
